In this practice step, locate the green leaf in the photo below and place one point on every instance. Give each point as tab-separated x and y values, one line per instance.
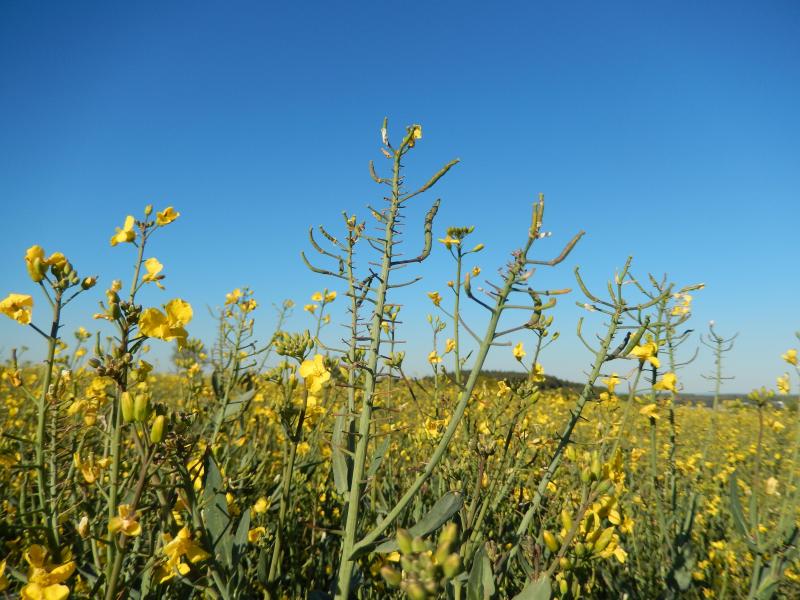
540	589
237	404
438	515
338	457
480	585
240	539
216	517
378	457
738	513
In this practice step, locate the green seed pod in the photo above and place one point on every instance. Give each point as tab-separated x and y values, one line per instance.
404	540
604	539
157	430
597	467
127	405
636	338
586	475
391	576
451	565
141	407
563	587
550	541
566	520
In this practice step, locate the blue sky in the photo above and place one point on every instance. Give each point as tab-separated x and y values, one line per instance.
666	130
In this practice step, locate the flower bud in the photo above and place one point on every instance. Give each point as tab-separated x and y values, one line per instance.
603	540
157	430
451	565
127	406
88	282
550	541
148	210
391	576
83	527
404	540
141	407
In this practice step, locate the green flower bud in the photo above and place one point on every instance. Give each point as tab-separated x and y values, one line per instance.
157	430
404	540
391	576
550	541
127	405
451	565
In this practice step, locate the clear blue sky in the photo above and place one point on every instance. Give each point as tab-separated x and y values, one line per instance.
666	130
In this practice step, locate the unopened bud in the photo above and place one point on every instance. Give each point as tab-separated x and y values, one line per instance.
127	405
157	430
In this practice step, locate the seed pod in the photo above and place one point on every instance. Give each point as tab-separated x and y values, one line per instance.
566	520
550	541
127	405
636	338
603	540
157	430
404	540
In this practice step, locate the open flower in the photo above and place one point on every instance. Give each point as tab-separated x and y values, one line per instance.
35	263
315	373
166	216
127	522
45	579
153	274
790	356
519	351
651	411
668	382
611	382
169	325
17	307
175	549
126	234
434	358
647	352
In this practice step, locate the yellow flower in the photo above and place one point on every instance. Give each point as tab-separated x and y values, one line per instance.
519	351
502	388
169	326
233	297
668	382
772	487
3	577
35	263
611	382
126	522
310	308
255	534
330	296
260	506
448	241
647	352
175	550
153	272
166	216
17	307
790	356
434	358
651	410
314	373
45	579
316	297
783	383
449	346
126	234
435	298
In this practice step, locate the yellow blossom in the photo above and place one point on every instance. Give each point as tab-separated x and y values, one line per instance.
261	505
330	296
783	383
45	579
435	298
17	307
647	352
175	549
166	216
315	373
502	388
126	522
126	234
790	356
168	325
611	382
449	241
233	297
311	308
255	534
153	274
316	297
668	382
519	351
35	263
434	358
651	410
449	346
